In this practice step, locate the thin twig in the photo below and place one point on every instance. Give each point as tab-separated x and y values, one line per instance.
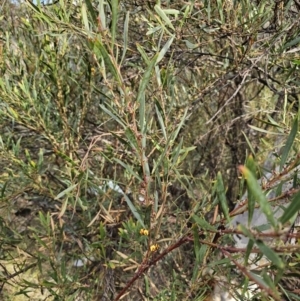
245	272
146	265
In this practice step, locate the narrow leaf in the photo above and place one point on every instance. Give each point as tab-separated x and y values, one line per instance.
112	115
164	50
222	197
91	10
102	14
125	37
196	243
249	143
202	252
163	16
114	21
220	8
171	11
270	254
289	143
63	208
248	251
84	17
147	210
134	210
143	53
107	59
251	199
258	279
254	188
132	139
262	130
129	169
269	280
66	191
160	118
142	115
146	78
176	153
292	43
291	212
180	125
202	223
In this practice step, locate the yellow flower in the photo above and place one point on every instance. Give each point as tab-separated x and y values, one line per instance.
144	232
154	248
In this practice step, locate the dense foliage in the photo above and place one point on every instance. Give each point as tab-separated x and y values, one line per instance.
123	124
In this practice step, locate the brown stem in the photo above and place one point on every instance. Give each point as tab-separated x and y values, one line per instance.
146	265
249	275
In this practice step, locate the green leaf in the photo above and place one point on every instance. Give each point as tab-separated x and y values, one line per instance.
279	274
269	280
262	130
220	8
114	20
129	169
258	279
85	18
102	231
125	37
222	196
40	14
163	16
248	251
172	11
296	62
143	53
190	45
142	123
202	223
102	14
146	78
134	210
66	191
112	114
270	254
41	159
180	125
160	117
292	43
289	143
196	243
254	188
3	188
63	208
250	164
162	158
291	212
176	153
142	106
91	10
221	262
245	231
164	49
147	210
45	220
13	113
132	139
99	47
202	252
249	143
